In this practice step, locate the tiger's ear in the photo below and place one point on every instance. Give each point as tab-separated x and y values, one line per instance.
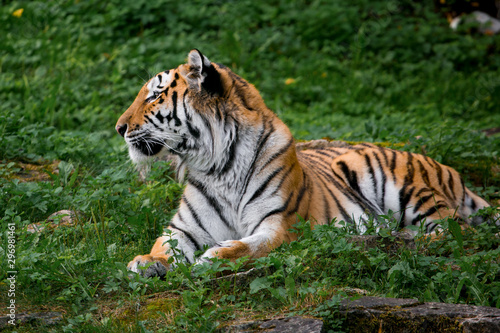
200	74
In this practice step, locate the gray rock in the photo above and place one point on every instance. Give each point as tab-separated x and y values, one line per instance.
291	324
372	302
372	314
38	319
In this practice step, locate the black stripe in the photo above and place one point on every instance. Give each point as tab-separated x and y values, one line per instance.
174	112
439	171
159	117
473	205
355	197
326	206
280	152
352	176
410	169
347	218
431	229
343	212
422	201
219	113
404	195
273	212
195	215
206	122
188	115
463	191
451	183
241	96
429	212
211	200
322	153
422	190
152	122
383	151
263	137
188	235
173	84
264	185
235	77
333	150
446	192
384	182
393	165
424	173
404	199
232	153
186	257
316	159
318	163
300	196
195	132
285	176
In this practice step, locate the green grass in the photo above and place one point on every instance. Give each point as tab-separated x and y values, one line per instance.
362	71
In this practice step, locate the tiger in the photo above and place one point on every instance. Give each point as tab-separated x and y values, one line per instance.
246	182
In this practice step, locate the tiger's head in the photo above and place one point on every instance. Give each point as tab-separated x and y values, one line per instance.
193	111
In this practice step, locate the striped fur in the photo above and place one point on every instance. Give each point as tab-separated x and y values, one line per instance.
246	181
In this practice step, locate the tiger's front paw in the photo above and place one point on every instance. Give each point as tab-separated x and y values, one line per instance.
156	266
229	249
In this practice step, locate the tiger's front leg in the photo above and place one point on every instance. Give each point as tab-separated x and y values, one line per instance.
268	235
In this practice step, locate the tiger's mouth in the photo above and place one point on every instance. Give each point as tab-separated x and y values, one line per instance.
148	148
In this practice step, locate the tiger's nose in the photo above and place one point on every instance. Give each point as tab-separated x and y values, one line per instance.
121	129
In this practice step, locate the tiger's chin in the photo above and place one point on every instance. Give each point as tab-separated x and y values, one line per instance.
138	156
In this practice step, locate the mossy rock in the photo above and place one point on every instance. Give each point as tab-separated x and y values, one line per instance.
157	306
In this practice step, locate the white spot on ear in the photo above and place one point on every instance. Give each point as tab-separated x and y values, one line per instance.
194	75
194	60
197	61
